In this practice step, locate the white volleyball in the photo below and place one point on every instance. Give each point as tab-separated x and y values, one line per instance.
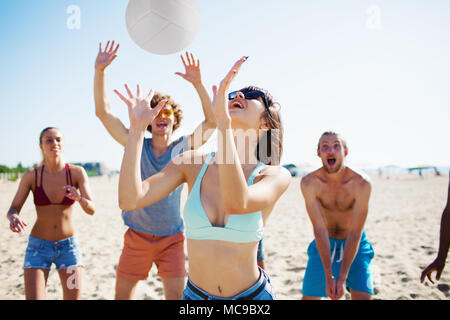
163	26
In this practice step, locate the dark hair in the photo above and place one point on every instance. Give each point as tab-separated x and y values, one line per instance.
270	146
44	131
177	112
42	135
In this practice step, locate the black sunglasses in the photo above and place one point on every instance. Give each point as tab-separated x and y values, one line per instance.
250	94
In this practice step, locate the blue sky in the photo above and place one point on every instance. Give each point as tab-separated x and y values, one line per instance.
386	89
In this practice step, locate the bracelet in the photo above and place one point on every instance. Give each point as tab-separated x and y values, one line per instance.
10	213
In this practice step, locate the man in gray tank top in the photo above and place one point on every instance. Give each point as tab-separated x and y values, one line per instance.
155	233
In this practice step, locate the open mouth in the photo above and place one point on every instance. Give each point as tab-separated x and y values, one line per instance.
236	105
161	125
331	161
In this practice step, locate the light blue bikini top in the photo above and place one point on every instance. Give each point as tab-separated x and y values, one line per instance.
239	228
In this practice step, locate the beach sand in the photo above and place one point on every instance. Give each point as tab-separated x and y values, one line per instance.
402	225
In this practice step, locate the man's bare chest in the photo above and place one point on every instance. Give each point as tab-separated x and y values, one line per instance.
336	199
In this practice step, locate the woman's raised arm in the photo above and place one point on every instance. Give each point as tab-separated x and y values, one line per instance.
133	192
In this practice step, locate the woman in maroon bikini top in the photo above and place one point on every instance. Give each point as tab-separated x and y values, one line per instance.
53	225
41	199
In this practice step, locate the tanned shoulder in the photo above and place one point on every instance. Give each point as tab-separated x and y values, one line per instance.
28	176
362	181
78	174
76	171
309	180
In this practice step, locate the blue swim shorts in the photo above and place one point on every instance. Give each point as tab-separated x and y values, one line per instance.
359	276
261	290
41	254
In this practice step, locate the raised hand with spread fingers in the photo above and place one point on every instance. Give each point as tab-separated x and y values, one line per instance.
192	69
104	58
139	110
220	98
193	75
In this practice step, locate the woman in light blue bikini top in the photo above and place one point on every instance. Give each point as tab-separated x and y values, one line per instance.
222	260
239	228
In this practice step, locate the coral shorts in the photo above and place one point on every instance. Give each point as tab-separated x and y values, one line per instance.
141	250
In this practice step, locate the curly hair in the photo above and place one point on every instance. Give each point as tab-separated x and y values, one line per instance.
177	112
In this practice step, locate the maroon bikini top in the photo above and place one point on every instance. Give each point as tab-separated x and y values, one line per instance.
41	199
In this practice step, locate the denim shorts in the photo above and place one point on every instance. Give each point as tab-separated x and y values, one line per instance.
41	254
359	276
261	290
260	255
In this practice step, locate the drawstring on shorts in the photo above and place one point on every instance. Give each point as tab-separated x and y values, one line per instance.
334	253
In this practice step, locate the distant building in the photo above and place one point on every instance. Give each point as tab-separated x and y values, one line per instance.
94	168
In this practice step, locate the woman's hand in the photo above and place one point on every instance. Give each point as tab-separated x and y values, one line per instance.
71	193
16	224
192	70
220	98
139	110
104	58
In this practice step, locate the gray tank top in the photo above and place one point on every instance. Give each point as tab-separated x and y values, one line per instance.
163	217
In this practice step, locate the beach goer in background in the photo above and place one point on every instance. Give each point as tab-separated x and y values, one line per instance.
444	243
436	172
231	192
155	233
337	201
56	186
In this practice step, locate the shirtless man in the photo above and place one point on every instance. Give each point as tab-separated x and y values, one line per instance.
337	201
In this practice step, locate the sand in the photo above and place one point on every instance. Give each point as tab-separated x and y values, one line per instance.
402	225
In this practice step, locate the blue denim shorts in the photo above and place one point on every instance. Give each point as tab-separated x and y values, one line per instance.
260	255
359	276
41	254
261	290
